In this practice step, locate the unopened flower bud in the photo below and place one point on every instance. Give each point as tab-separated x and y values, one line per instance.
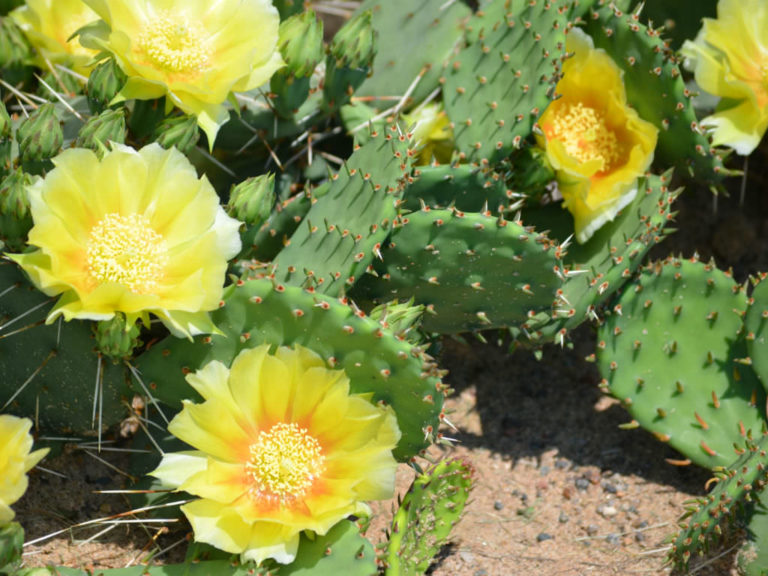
5	122
403	319
354	46
104	82
15	217
301	43
251	201
14	48
117	338
109	126
40	136
178	131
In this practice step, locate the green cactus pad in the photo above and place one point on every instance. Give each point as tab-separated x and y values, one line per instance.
257	311
341	551
756	329
56	365
499	83
655	88
670	353
473	271
344	229
708	517
428	512
207	568
264	242
598	268
425	30
463	186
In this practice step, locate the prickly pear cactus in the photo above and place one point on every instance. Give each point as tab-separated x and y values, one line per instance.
736	488
428	511
504	77
672	353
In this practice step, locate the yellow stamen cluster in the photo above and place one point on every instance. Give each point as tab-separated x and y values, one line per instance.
174	44
284	463
126	250
583	132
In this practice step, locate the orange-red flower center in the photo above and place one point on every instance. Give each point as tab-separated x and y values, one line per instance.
285	461
585	135
126	250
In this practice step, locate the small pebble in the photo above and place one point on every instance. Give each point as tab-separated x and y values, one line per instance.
544	470
562	464
581	483
481	572
563	518
592	530
498	505
613	539
544	536
639	537
606	511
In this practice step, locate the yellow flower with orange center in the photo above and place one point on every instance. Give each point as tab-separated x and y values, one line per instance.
16	459
136	232
194	53
282	447
730	60
597	145
49	25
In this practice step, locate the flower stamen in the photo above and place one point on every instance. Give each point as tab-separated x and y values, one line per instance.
584	133
284	463
175	44
126	250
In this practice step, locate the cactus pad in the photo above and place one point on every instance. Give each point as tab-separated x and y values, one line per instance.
670	353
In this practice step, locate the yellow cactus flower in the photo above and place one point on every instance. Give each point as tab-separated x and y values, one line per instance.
16	459
136	232
282	447
730	60
49	25
432	133
597	145
194	53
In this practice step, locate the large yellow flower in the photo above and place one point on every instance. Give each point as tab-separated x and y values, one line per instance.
282	447
194	52
730	59
596	143
49	24
15	461
136	232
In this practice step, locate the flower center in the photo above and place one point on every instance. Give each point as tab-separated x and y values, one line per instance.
285	461
583	132
174	44
126	250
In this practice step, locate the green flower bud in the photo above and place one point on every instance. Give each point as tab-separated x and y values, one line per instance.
178	131
62	82
104	82
354	46
40	136
251	201
403	319
14	48
15	218
301	43
109	126
5	122
117	338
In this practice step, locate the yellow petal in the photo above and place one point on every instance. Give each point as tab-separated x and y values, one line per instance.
176	467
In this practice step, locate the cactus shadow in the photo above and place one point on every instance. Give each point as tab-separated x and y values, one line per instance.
527	407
